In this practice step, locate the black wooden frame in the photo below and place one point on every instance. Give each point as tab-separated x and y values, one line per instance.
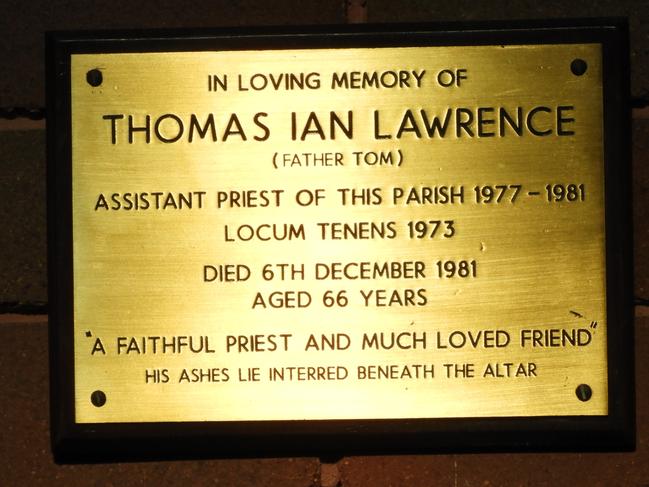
74	442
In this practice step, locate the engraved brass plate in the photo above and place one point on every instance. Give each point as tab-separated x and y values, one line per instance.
413	232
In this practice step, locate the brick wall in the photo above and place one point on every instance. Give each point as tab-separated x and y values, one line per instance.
25	457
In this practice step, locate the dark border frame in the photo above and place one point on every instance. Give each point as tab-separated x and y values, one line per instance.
73	442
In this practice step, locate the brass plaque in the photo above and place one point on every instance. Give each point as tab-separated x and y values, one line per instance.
359	233
318	227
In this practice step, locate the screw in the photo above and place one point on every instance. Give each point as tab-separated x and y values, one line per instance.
94	77
578	67
584	392
98	398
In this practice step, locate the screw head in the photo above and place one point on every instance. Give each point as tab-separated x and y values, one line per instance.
578	67
98	398
584	392
94	77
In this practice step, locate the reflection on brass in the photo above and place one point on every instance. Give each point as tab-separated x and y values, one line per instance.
339	234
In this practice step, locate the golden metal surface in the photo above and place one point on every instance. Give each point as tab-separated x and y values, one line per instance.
507	282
